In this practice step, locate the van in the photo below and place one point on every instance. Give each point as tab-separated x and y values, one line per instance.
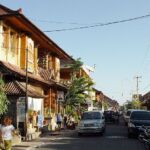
91	122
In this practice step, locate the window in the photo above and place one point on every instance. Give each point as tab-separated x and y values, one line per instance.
140	115
30	56
13	43
91	115
5	37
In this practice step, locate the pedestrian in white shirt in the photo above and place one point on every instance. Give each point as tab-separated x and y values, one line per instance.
6	131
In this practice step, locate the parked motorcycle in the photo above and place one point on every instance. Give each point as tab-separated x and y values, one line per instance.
144	137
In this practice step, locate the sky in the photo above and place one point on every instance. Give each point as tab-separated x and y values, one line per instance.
120	51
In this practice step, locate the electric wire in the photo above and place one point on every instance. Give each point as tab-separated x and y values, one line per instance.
100	24
57	22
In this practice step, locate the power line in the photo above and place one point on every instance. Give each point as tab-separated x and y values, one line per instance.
144	61
100	24
57	22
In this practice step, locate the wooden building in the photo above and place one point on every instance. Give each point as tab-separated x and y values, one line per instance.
30	66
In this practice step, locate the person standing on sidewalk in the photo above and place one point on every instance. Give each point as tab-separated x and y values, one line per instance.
6	131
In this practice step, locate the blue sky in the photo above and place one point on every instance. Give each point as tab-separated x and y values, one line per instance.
120	51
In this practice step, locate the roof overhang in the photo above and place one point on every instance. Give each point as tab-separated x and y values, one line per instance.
21	23
15	88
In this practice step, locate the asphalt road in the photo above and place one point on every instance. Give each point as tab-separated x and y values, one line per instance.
115	138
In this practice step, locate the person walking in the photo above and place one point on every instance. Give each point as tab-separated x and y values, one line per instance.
6	131
59	120
65	121
39	120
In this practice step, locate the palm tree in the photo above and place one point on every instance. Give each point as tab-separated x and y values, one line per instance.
77	91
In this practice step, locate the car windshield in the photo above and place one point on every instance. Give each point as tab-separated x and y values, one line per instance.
91	115
140	115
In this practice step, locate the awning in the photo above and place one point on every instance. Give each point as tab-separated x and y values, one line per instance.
10	69
15	88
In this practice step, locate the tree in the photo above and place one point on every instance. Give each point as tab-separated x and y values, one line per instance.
134	104
79	87
77	92
3	99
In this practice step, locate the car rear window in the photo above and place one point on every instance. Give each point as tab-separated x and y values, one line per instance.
91	115
140	115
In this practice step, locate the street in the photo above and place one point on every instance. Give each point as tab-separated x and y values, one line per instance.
115	138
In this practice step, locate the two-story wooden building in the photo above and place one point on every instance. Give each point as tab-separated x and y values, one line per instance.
30	66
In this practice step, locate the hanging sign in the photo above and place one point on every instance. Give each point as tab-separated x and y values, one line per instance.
60	96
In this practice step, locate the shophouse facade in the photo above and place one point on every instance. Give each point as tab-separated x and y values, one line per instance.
30	66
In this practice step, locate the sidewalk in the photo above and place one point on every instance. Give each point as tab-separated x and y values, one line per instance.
43	139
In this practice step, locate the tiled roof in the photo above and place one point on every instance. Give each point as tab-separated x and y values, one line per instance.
19	89
12	88
6	67
46	74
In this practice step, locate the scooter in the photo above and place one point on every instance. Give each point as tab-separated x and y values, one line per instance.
144	137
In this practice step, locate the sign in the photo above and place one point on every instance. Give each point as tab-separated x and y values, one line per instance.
60	96
21	109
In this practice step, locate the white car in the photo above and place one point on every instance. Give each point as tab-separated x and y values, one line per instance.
91	122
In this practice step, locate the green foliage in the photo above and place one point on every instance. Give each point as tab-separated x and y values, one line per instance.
3	99
79	87
77	91
105	105
134	104
76	66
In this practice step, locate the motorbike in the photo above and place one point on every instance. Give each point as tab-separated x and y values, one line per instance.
144	137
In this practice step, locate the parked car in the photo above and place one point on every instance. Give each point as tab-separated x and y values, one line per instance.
138	118
126	116
91	122
109	116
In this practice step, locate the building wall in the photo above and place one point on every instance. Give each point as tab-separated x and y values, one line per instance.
13	46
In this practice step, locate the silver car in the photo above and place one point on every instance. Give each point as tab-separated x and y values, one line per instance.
91	122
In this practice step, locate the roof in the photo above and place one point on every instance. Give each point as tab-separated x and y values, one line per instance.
19	21
15	88
8	68
97	91
43	77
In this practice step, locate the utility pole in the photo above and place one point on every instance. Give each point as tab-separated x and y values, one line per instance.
26	98
137	84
